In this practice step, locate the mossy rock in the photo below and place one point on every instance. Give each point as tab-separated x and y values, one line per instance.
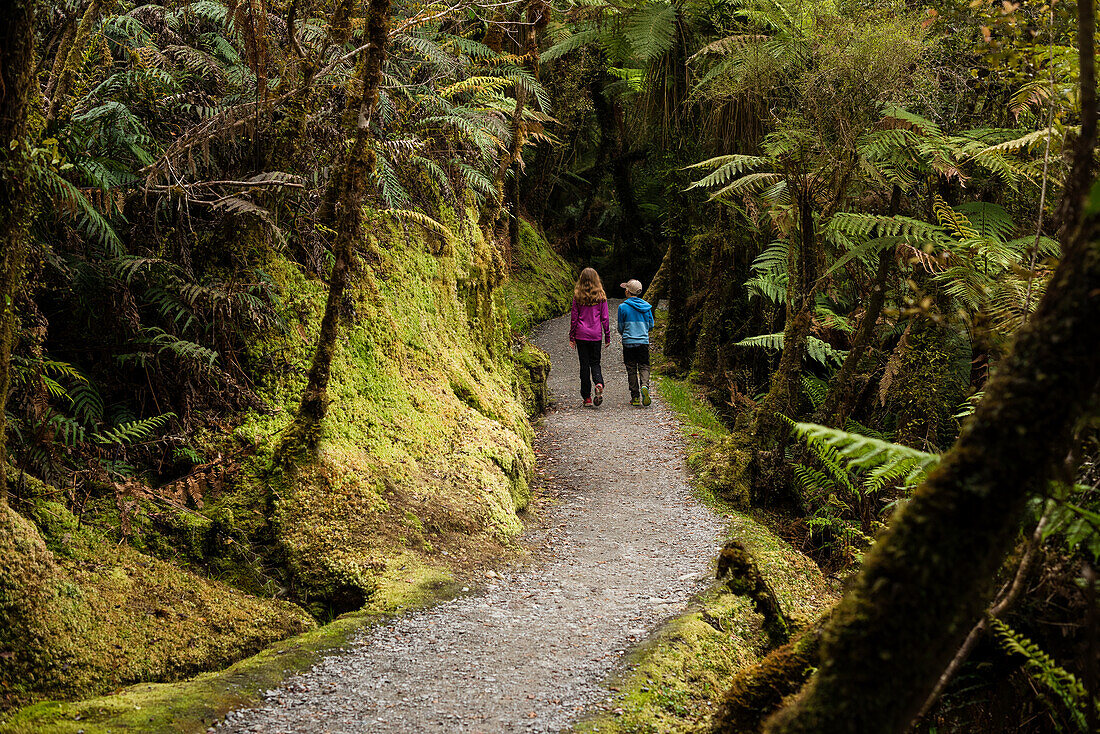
533	371
96	615
427	446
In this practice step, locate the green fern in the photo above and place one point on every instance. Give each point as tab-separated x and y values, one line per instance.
816	349
131	432
651	30
879	462
1044	671
423	220
162	341
770	278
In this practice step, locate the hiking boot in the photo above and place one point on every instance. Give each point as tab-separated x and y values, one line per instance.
588	402
645	396
636	402
598	397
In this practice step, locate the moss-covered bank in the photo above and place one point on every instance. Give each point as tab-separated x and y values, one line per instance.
540	285
423	465
675	682
83	614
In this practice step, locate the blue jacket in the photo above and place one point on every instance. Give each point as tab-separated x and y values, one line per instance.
635	321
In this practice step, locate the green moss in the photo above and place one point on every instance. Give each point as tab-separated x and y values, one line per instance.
533	370
718	458
427	447
105	615
675	680
540	285
194	705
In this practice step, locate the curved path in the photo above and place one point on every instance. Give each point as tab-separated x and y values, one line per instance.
621	547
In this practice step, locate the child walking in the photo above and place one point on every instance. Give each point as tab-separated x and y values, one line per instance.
588	321
635	321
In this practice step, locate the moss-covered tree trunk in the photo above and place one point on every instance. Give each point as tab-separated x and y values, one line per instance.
16	80
758	691
61	81
927	580
348	215
782	397
841	397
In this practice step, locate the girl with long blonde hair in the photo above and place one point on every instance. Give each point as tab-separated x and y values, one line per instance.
588	322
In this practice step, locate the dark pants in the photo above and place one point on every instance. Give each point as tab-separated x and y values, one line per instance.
636	359
589	353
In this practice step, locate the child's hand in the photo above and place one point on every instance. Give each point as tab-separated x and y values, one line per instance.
607	341
573	343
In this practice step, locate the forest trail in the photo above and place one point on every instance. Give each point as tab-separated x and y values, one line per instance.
621	545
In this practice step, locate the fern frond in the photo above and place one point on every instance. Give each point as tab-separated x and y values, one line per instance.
131	432
727	167
651	30
1042	669
884	461
423	220
580	39
816	349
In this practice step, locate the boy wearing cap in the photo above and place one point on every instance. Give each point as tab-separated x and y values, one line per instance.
635	321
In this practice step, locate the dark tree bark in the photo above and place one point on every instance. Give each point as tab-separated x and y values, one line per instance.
677	343
782	397
348	215
16	80
925	583
841	397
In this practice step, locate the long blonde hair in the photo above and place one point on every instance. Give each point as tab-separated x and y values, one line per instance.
589	289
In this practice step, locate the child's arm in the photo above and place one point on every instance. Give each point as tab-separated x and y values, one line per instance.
620	319
649	319
606	323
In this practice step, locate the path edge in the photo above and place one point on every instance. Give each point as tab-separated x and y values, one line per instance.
673	681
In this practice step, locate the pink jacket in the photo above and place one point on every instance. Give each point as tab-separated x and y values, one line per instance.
589	323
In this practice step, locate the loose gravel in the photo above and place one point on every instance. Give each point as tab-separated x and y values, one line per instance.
620	547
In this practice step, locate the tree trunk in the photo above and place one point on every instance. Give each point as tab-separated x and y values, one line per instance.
358	169
841	397
782	397
16	81
61	82
925	583
536	15
677	276
658	286
758	691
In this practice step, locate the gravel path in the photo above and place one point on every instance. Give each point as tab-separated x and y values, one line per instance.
621	546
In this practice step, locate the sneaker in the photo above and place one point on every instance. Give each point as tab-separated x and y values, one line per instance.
636	402
598	398
645	396
588	402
